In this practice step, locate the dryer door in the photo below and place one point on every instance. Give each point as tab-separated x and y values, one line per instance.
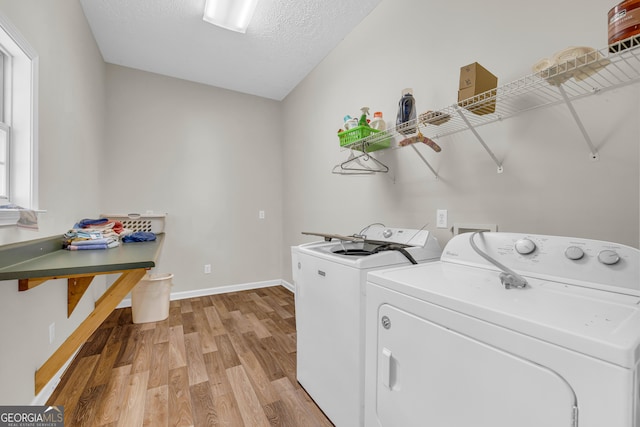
429	375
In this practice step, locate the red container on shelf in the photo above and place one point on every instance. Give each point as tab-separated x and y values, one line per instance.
624	21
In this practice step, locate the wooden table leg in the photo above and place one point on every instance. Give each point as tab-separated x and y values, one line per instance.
106	304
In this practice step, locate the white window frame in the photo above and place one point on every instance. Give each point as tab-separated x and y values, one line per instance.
20	111
5	145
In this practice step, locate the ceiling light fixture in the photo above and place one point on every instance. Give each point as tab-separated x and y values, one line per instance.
233	15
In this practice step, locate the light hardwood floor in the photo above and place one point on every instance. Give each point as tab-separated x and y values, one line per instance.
219	360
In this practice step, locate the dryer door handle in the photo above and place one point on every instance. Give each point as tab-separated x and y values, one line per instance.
387	361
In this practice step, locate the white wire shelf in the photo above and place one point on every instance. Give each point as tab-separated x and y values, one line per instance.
598	70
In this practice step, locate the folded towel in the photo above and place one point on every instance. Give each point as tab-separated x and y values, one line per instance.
84	242
109	225
139	236
75	233
87	247
84	223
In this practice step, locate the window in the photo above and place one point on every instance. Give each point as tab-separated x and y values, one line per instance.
18	121
5	132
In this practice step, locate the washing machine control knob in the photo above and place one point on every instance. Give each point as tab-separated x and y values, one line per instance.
574	253
608	257
525	246
387	233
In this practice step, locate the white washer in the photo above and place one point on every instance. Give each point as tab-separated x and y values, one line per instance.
448	345
330	305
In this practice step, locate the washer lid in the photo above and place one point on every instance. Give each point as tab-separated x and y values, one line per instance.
402	236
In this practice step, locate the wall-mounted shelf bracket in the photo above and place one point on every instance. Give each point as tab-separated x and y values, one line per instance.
479	138
424	160
77	285
593	153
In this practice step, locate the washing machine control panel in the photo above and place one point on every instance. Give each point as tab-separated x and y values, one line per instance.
403	236
612	265
527	246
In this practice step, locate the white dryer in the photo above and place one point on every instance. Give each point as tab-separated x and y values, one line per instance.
527	331
329	278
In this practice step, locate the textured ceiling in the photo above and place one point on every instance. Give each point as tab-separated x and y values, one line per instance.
284	42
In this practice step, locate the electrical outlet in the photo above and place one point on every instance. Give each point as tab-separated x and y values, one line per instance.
207	269
52	333
441	218
261	214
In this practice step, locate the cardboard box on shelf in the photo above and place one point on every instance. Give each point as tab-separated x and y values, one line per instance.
476	80
477	77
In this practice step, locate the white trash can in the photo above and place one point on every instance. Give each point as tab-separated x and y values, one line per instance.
150	298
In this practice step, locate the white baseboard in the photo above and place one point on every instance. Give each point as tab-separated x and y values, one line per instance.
220	290
288	285
47	391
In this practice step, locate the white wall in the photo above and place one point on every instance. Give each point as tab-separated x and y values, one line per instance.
549	186
211	159
71	113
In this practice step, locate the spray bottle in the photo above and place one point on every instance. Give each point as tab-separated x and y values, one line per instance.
363	117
